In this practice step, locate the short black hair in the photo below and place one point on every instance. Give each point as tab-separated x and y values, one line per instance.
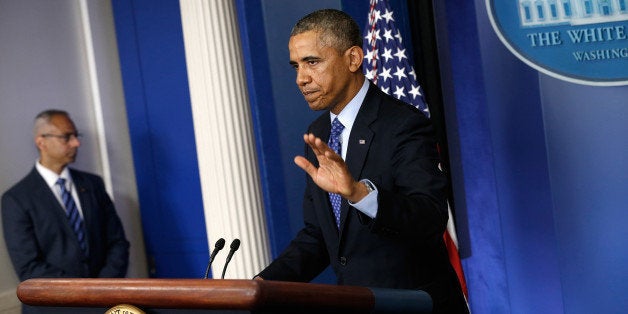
336	28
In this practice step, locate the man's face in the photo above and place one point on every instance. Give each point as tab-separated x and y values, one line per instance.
55	150
323	73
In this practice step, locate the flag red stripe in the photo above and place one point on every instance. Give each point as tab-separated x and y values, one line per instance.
454	259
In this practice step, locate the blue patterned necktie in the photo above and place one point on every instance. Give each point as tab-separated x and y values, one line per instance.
72	213
334	143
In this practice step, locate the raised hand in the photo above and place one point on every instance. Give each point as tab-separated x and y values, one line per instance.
332	174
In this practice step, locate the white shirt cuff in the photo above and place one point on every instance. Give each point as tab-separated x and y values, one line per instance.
368	205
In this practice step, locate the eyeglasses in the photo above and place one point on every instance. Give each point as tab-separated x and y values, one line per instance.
65	137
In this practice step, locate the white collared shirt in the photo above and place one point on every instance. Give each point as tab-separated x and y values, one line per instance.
51	180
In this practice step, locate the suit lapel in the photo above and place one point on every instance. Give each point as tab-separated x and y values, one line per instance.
360	141
321	127
42	192
85	199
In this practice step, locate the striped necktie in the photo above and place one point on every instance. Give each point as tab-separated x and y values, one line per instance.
335	144
74	218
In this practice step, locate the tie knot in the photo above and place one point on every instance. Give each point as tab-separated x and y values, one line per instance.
336	127
61	182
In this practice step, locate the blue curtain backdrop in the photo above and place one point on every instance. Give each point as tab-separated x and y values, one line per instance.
152	58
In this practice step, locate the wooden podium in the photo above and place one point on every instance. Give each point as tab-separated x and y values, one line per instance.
219	296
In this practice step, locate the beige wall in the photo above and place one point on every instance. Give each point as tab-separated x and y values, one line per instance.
47	60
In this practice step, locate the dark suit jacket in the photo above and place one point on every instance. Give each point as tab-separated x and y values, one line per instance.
392	144
41	242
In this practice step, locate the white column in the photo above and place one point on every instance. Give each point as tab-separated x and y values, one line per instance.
224	139
94	89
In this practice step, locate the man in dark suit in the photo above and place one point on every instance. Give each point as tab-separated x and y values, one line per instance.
60	222
384	176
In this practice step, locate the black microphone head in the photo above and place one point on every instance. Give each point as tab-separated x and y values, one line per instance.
219	244
235	244
217	247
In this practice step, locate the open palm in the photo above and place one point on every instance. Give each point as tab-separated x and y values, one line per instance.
332	174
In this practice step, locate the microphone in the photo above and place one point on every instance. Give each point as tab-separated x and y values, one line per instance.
235	245
217	247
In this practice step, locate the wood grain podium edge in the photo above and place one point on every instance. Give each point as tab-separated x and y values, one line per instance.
192	294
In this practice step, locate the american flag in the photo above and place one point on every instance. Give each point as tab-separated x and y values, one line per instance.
387	66
386	61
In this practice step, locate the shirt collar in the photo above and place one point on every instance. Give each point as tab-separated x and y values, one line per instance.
51	177
350	111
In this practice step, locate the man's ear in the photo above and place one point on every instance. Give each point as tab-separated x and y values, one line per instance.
356	56
39	142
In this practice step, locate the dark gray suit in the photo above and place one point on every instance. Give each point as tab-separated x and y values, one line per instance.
391	144
40	241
